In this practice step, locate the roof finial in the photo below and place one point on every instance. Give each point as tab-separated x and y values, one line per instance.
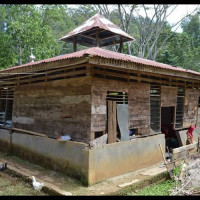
32	57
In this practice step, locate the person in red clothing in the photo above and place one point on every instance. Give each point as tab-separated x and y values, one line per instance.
190	134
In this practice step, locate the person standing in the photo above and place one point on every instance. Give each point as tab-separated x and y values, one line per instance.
190	134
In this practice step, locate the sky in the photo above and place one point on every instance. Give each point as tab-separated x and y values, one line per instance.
181	11
178	13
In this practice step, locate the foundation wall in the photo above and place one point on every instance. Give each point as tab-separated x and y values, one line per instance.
88	165
4	140
124	157
67	157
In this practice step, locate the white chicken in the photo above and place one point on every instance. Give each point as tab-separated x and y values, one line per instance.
37	186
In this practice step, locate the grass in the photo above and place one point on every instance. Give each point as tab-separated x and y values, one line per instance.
161	189
177	170
12	186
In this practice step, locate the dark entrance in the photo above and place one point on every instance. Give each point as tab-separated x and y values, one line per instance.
167	126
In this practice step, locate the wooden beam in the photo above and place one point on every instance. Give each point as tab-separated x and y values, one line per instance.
28	132
121	45
111	36
87	36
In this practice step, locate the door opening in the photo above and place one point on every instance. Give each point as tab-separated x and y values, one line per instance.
114	128
168	126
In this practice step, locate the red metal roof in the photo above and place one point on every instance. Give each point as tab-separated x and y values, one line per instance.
100	22
99	52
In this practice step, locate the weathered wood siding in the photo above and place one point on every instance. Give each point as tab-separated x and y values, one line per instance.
168	96
139	107
55	108
190	106
138	99
99	91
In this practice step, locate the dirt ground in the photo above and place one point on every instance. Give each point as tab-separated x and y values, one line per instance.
13	186
61	182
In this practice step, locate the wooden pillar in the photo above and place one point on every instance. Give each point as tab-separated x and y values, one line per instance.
97	38
112	124
74	43
121	45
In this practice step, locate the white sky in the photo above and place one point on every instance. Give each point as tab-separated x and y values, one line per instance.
181	11
178	13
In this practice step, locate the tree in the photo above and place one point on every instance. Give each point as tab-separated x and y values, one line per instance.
147	27
25	30
191	26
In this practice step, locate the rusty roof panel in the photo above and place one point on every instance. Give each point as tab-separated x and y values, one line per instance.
98	21
99	52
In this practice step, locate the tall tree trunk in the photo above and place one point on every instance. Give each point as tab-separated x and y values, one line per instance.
20	55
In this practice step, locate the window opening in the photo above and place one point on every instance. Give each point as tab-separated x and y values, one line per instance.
6	107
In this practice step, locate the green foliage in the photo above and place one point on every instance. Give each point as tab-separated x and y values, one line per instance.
191	26
177	170
27	26
25	30
160	189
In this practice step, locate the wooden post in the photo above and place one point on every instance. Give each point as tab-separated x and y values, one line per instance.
112	124
114	118
121	45
97	38
92	136
74	43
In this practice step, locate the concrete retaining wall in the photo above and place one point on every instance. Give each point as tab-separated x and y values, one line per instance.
88	165
123	157
4	140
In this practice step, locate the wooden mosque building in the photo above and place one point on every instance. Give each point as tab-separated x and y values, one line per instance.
113	106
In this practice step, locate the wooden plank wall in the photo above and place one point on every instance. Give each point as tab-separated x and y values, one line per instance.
190	106
99	91
168	96
138	100
55	108
139	107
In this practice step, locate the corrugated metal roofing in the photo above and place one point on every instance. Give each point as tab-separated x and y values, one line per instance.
112	32
99	52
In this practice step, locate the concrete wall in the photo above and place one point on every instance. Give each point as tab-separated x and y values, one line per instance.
123	157
67	157
4	140
55	108
88	165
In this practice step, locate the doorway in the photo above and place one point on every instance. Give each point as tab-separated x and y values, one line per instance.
168	126
117	116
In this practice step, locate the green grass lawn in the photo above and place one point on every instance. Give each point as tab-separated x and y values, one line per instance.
10	185
160	189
